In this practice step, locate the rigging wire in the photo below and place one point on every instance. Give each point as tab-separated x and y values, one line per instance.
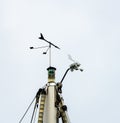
27	110
33	112
35	106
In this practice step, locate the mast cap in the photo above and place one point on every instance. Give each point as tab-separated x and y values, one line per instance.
51	68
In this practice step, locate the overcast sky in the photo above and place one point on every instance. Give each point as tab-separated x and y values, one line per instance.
86	29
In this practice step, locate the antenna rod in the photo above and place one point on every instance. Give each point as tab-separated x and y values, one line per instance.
49	54
38	47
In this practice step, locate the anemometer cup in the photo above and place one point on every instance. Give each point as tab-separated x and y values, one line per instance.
44	53
31	47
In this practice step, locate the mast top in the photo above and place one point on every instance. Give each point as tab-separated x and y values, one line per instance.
51	74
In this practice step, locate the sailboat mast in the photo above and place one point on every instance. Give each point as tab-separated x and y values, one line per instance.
50	109
49	114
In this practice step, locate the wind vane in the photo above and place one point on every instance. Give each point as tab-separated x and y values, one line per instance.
48	47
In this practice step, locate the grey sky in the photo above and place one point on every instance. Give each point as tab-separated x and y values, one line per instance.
86	29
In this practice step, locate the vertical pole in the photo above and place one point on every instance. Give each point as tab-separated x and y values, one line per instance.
49	54
50	112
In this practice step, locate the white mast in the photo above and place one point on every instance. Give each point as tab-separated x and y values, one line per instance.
49	98
50	111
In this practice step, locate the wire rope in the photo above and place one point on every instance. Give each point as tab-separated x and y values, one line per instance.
27	110
35	115
33	112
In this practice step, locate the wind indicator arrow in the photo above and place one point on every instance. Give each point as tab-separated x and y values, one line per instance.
42	38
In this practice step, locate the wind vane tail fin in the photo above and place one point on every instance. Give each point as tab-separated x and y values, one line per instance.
41	37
